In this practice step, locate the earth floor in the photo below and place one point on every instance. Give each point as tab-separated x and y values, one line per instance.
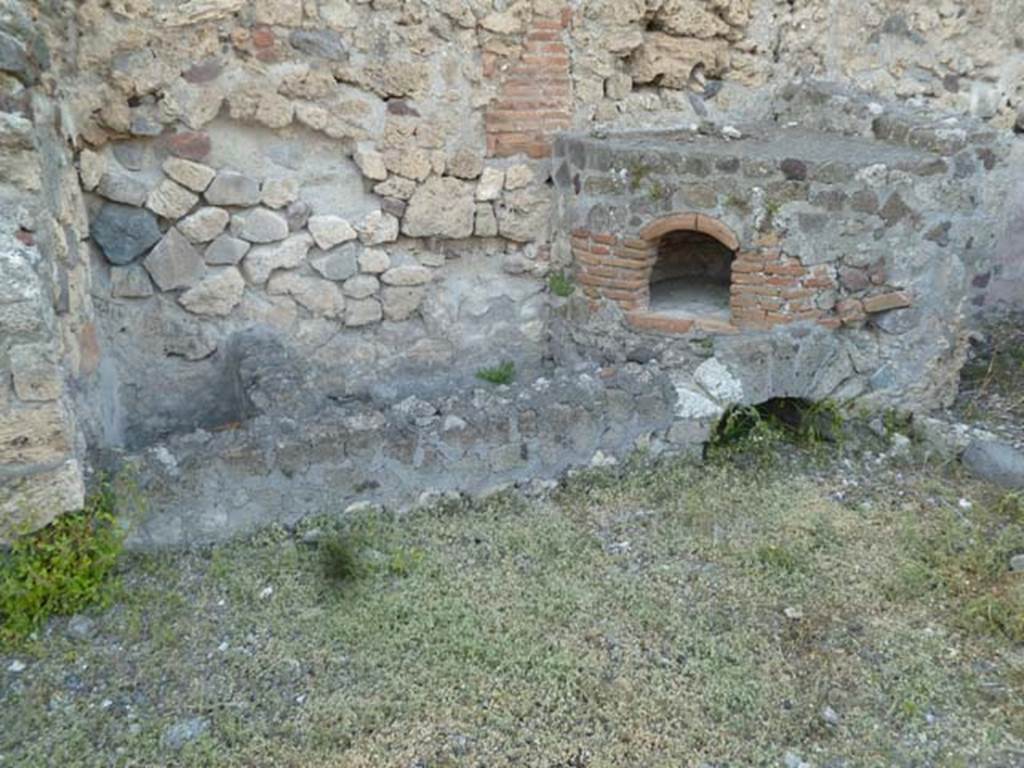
776	606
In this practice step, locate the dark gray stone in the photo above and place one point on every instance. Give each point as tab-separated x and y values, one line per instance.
323	43
231	188
996	462
12	56
130	154
793	169
124	233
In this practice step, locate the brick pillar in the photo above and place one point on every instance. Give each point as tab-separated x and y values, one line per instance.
534	99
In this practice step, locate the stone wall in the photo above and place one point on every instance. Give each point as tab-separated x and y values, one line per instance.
371	184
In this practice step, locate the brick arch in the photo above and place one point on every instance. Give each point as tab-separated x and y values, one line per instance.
692	222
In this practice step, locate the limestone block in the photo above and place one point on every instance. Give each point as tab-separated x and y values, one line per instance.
374	261
286	13
361	286
131	282
122	189
363	312
230	188
35	372
171	200
226	250
670	60
465	163
371	164
518	176
442	207
260	225
204	225
378	228
693	405
124	233
277	193
492	181
91	167
524	215
321	297
401	302
329	231
397	187
274	111
413	164
37	434
194	176
262	260
174	263
216	294
34	500
718	382
485	222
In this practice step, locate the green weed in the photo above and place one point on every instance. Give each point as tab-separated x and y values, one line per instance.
63	568
560	284
499	374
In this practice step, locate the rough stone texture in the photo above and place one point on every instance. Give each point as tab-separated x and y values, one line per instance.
124	233
195	176
131	282
361	286
442	207
374	261
171	200
321	297
378	228
216	294
262	260
123	189
35	373
371	164
278	193
338	264
42	495
329	231
204	225
260	225
996	462
226	250
400	303
174	263
363	312
406	276
231	188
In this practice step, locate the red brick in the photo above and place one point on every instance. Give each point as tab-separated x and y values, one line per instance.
648	321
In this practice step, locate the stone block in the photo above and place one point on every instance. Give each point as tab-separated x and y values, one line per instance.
338	264
277	193
361	286
216	294
122	189
204	225
371	164
35	372
378	228
397	187
262	260
442	207
38	434
329	231
33	500
226	250
130	282
465	163
401	302
260	225
124	233
230	188
171	200
174	263
492	181
518	176
361	312
91	167
406	276
887	301
194	176
374	261
321	297
485	223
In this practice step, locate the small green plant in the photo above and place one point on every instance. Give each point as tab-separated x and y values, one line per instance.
657	191
780	558
340	558
560	284
638	171
62	569
499	374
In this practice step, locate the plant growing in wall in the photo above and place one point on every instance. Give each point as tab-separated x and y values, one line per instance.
560	284
499	374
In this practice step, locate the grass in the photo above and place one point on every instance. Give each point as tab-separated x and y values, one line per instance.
503	373
560	285
62	569
659	615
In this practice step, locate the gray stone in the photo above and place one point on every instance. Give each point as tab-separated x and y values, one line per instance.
287	254
81	627
323	43
35	373
361	286
131	282
466	163
441	207
1017	563
378	228
124	233
298	214
226	250
406	276
176	736
492	180
231	188
277	193
371	164
122	189
260	225
204	225
12	56
130	154
174	263
216	294
485	223
321	297
401	302
524	215
363	312
338	264
996	462
718	382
